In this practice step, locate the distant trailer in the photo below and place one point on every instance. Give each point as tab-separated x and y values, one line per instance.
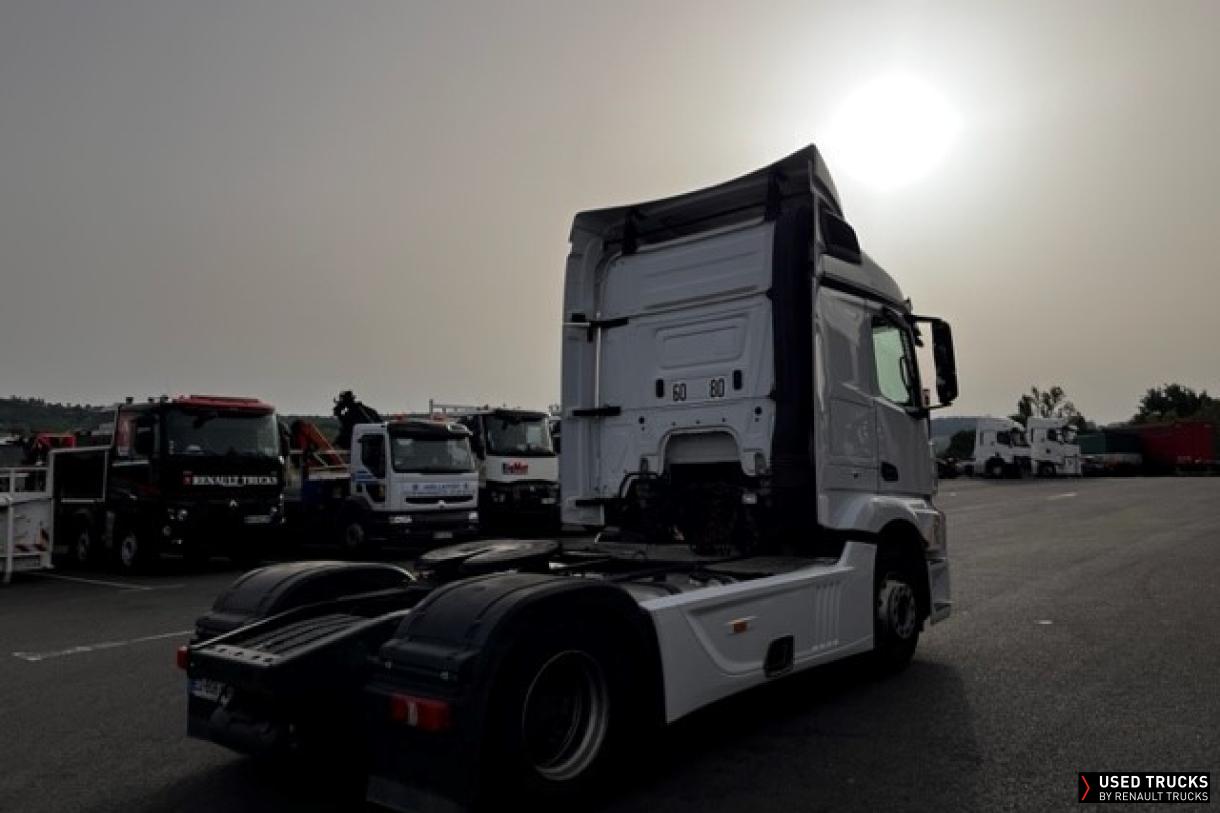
26	518
1109	452
1180	447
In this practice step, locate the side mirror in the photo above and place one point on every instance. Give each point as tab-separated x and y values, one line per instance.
946	362
840	238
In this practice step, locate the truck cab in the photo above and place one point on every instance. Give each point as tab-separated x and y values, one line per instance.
410	480
734	380
191	475
1053	447
518	463
1000	448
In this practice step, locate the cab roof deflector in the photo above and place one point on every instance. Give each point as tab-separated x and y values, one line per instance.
757	194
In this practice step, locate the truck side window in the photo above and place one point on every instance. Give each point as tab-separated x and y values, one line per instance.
372	453
124	433
893	362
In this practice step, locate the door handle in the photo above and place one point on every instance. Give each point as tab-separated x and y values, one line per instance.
889	472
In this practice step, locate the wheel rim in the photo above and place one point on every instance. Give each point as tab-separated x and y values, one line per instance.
354	537
129	548
565	716
84	546
897	609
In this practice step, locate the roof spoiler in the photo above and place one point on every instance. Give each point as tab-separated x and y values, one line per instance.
758	194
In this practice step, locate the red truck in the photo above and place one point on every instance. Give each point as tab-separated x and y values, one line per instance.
1181	446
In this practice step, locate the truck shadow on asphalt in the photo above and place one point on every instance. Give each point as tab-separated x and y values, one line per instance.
835	738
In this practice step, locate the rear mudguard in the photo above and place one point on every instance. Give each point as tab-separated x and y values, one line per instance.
270	590
451	646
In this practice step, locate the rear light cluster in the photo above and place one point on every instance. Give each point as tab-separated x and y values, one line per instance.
424	713
183	656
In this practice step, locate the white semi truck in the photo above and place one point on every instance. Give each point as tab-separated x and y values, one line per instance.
728	351
1053	447
1001	449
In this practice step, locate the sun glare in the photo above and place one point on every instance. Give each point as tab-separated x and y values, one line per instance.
892	132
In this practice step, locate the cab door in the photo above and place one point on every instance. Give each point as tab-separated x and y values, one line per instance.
369	469
904	457
845	425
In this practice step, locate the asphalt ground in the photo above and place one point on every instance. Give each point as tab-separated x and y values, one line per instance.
1085	636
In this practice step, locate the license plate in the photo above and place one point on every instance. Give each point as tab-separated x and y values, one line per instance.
443	535
258	519
548	500
206	689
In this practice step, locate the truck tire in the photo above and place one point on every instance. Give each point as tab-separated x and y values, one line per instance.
563	709
83	552
131	551
896	619
995	469
355	539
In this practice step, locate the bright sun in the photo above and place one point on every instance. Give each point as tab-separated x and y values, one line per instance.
892	132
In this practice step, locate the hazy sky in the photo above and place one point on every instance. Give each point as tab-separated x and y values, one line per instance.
285	198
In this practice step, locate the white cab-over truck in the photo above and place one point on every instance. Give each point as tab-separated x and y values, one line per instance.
728	351
1053	447
411	480
518	465
1001	449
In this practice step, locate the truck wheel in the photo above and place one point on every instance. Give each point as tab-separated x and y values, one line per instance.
561	713
131	553
84	549
995	469
354	540
896	620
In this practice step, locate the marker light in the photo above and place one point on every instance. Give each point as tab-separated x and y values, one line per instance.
424	713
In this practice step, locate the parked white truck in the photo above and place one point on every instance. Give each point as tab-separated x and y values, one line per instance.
729	351
1053	447
518	465
1000	449
412	481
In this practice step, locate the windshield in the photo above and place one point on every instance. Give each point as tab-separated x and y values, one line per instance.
213	433
432	455
524	435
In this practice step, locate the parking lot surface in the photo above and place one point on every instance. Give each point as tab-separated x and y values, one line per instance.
1083	638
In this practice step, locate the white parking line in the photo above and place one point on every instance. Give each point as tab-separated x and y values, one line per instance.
1062	496
104	583
35	657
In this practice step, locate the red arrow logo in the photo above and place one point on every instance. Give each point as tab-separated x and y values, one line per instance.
1086	787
